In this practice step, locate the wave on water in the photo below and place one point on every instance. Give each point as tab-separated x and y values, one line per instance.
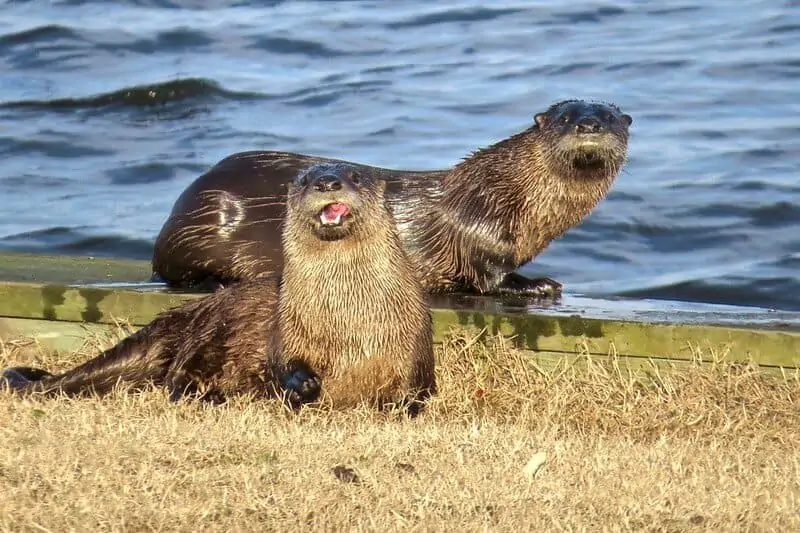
194	89
728	290
451	15
77	241
44	33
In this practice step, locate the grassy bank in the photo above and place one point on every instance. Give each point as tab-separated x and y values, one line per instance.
504	446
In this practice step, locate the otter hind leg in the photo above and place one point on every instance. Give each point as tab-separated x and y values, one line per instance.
18	377
542	288
301	386
182	386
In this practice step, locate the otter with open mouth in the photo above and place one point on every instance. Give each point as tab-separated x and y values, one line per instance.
348	323
467	228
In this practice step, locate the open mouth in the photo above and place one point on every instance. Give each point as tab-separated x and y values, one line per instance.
334	214
589	160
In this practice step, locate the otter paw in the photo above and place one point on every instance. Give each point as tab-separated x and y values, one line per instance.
180	387
302	386
543	288
18	377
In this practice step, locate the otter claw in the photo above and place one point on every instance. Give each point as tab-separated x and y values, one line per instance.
544	288
301	386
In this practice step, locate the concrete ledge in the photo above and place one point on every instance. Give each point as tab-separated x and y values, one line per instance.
62	298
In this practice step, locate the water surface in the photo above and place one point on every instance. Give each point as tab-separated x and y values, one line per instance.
109	109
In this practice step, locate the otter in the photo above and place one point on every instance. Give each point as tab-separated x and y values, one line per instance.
346	322
466	229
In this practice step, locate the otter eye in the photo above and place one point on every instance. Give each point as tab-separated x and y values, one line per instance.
304	180
609	117
355	177
566	118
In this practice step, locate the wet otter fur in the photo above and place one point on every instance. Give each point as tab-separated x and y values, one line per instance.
467	228
348	316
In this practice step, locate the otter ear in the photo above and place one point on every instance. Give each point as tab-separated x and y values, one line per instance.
627	119
540	119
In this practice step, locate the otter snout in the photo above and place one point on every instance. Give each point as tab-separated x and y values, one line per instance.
327	183
586	125
330	188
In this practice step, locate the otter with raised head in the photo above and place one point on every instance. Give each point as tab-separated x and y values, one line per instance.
466	229
348	315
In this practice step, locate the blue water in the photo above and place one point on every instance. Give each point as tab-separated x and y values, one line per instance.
109	109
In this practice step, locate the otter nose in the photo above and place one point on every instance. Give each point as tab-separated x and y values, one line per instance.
589	125
328	183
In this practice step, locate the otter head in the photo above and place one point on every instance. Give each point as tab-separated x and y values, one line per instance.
586	140
333	200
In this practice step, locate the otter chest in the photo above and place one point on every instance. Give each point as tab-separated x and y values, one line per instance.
344	329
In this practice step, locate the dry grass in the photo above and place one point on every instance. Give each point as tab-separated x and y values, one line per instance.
707	448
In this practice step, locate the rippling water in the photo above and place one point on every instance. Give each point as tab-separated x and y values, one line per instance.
108	110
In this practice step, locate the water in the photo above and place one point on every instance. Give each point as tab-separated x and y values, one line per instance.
108	110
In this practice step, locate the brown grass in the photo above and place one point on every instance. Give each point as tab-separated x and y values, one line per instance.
710	447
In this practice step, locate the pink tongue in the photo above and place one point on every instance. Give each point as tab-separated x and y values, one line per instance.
334	211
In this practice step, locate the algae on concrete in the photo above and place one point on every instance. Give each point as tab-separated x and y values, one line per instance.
43	294
601	337
84	304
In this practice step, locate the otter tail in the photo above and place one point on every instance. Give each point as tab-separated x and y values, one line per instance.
19	377
135	360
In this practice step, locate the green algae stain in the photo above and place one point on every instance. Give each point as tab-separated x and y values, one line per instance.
93	297
576	326
52	297
527	332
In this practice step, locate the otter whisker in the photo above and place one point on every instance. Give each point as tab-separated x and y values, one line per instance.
260	221
251	205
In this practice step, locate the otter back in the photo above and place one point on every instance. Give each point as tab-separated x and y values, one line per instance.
465	228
